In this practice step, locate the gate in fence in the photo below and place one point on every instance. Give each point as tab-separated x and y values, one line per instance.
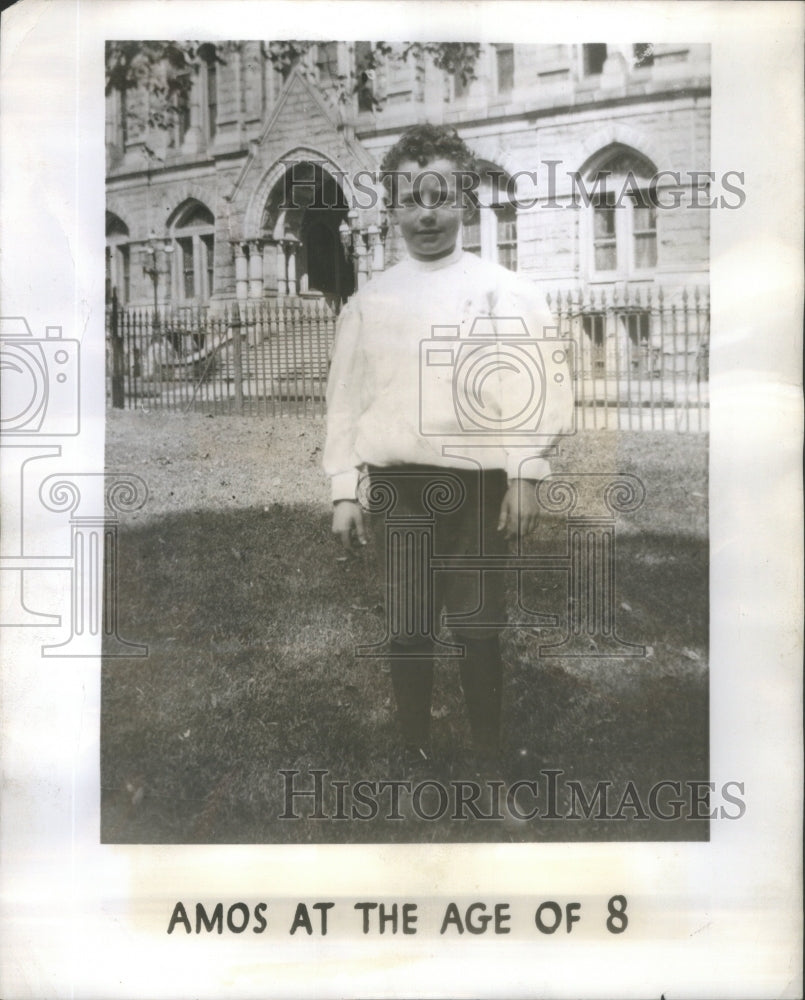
641	357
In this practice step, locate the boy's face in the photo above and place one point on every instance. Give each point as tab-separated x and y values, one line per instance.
428	211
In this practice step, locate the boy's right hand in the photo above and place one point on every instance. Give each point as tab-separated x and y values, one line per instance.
348	522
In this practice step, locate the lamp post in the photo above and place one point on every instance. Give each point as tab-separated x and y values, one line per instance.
151	266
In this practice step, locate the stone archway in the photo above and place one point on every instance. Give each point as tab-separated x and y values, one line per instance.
301	220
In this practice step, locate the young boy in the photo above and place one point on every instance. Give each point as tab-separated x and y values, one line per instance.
388	418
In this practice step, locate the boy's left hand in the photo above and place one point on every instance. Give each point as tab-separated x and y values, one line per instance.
519	510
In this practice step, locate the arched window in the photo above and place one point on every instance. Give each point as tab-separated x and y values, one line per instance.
621	224
490	224
118	258
193	233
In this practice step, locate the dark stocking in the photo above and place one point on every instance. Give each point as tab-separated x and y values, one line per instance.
481	681
412	680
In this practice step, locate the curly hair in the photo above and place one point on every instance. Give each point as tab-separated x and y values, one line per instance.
423	143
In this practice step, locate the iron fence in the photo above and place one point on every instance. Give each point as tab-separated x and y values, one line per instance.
265	359
642	357
641	360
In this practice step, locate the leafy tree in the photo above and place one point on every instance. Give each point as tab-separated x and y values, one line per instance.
459	59
162	71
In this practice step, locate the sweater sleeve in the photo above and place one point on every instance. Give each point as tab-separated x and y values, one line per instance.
526	456
343	405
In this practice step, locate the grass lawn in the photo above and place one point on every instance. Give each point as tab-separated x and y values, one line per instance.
232	578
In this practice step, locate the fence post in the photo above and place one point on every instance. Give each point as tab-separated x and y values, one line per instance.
237	361
118	395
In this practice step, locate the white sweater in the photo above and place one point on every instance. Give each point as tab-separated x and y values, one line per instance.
391	399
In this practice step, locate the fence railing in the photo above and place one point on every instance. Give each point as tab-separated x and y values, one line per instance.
641	361
642	358
263	359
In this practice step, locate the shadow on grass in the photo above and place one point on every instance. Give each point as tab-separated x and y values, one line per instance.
251	621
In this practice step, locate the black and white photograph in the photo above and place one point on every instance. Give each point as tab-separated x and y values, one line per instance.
294	233
401	512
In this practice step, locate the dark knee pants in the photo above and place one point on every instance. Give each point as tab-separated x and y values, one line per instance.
448	512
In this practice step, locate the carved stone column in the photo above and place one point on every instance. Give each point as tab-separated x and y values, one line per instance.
291	248
282	270
361	256
241	272
255	269
269	267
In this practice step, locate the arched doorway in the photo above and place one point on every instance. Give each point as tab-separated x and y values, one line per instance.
301	217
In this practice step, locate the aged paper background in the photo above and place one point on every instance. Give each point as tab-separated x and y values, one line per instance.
717	919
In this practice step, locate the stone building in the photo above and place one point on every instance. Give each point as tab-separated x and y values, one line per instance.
264	184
